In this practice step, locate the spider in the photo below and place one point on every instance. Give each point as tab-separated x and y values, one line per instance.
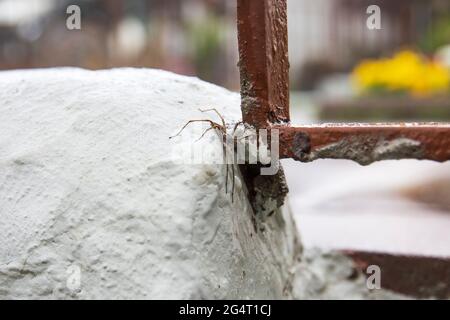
221	129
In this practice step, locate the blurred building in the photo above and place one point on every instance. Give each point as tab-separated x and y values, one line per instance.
192	37
198	37
331	35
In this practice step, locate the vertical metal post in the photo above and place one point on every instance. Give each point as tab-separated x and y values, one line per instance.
264	61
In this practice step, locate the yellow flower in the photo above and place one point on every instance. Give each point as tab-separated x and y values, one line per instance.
407	71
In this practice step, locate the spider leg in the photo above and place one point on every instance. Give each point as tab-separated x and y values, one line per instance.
241	138
218	113
233	181
226	179
236	126
188	123
224	150
204	133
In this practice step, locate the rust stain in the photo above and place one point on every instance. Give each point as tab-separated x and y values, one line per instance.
366	143
421	277
263	61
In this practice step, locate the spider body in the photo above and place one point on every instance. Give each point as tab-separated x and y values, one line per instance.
221	129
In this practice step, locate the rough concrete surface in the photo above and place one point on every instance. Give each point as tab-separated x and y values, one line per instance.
94	206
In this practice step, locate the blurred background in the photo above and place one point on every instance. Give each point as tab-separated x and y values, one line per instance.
329	48
192	37
340	71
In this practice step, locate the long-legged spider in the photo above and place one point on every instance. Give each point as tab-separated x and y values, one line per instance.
221	129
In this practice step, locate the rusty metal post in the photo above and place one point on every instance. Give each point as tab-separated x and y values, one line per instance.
416	276
263	61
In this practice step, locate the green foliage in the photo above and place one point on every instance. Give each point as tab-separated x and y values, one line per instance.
438	35
206	39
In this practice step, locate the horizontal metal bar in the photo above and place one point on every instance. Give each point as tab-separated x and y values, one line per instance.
366	143
416	276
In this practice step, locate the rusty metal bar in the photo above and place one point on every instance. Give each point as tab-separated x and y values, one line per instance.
264	70
366	143
420	277
263	61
